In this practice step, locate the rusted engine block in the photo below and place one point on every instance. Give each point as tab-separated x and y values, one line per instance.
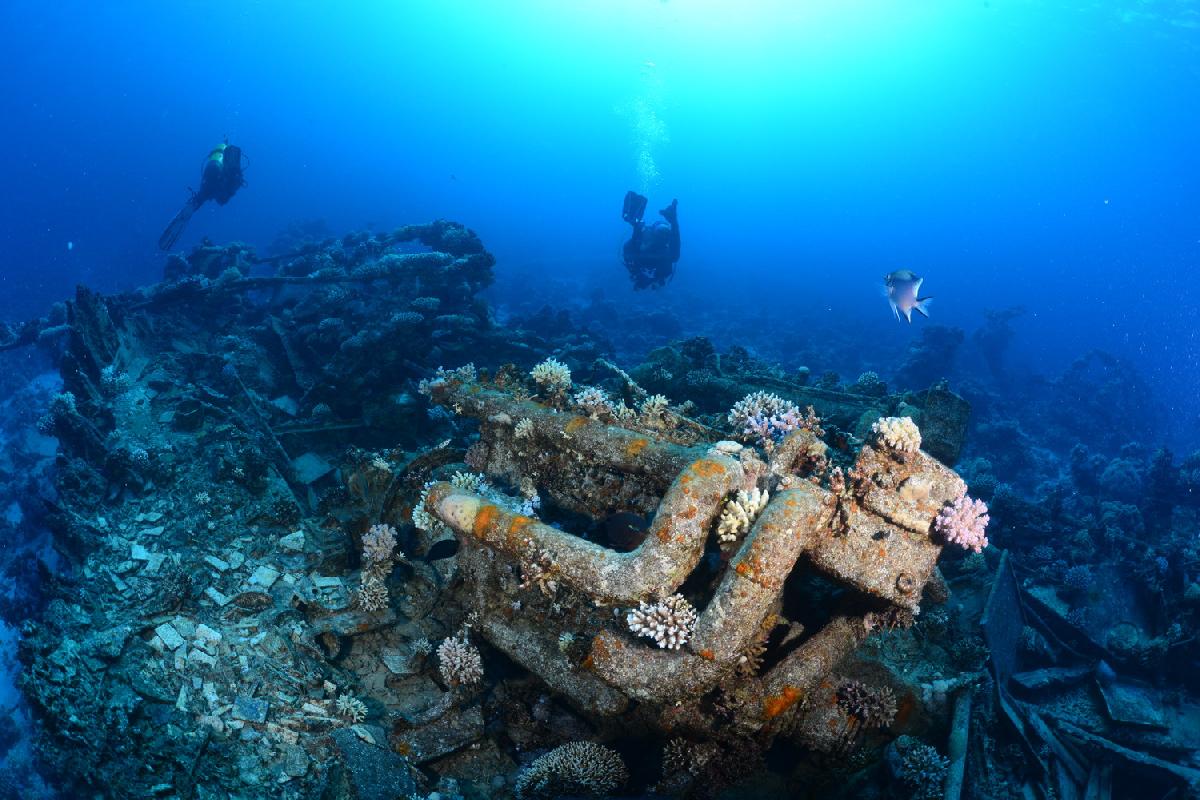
869	530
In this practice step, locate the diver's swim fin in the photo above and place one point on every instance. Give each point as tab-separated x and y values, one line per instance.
671	213
635	207
175	228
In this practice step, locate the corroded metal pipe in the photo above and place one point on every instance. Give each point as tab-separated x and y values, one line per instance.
658	566
794	678
907	489
872	533
791	523
619	448
534	650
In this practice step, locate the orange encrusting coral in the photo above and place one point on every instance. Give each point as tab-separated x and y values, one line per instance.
777	704
635	447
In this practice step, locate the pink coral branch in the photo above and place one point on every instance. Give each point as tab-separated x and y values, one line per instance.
964	522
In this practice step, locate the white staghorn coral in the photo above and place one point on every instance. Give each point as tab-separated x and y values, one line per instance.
654	407
378	546
768	417
683	756
372	594
552	376
593	402
739	514
459	661
469	481
581	769
898	433
422	519
669	622
464	374
523	429
623	413
351	708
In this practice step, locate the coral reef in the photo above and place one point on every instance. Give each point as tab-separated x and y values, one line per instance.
270	499
881	546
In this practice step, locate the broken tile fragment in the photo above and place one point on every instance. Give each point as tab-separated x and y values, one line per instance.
198	656
287	405
170	637
264	576
250	709
293	541
373	771
398	663
310	467
121	586
181	700
295	761
220	565
207	634
216	596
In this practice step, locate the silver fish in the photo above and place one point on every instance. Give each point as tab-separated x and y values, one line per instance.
903	289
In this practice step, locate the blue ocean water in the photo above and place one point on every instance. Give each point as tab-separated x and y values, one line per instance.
1014	153
1026	156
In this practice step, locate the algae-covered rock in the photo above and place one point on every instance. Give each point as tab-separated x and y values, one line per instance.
943	423
365	771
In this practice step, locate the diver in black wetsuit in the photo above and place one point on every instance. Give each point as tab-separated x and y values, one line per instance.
652	250
220	178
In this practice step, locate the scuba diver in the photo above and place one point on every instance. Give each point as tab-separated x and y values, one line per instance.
220	178
652	250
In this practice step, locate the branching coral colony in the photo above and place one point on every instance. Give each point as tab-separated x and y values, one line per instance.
870	528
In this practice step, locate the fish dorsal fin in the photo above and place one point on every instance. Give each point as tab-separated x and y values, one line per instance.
917	286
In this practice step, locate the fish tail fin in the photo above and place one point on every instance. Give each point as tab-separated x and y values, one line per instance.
923	306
